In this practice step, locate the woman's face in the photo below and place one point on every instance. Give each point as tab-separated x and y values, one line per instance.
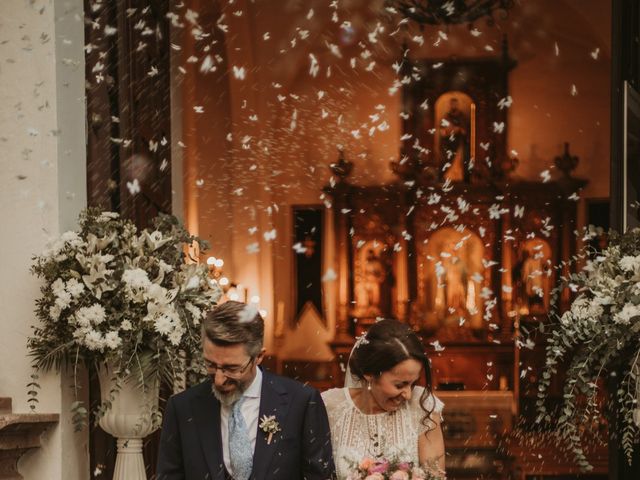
393	388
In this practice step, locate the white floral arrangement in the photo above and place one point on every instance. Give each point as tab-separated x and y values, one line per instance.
116	295
596	343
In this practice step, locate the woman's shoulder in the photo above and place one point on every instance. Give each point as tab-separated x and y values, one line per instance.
429	401
333	396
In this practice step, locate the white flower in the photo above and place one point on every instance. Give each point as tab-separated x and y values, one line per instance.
74	287
156	236
112	340
193	282
71	239
165	320
54	312
57	287
165	267
126	325
93	315
136	278
63	300
628	312
629	263
567	318
195	312
584	309
156	293
600	299
176	336
93	340
106	216
137	283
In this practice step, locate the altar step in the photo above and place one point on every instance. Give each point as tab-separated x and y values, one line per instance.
19	433
539	456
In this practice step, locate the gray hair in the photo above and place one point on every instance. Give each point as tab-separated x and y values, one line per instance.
234	323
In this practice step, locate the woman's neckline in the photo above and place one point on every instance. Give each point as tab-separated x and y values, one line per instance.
347	392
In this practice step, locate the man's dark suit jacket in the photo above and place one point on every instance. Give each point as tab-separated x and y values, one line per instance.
191	442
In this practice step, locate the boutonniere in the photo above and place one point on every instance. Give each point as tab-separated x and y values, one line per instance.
269	425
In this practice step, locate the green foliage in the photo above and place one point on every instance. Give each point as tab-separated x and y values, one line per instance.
598	341
113	294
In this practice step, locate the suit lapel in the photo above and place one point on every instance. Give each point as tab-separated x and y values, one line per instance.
206	410
274	400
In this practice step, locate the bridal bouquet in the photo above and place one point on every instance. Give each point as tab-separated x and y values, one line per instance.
383	469
114	295
598	339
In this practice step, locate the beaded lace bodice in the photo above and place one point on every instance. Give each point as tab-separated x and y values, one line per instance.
355	435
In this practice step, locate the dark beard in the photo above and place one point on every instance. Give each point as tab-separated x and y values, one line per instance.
228	399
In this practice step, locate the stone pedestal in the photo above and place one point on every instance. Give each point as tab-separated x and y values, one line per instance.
19	432
129	420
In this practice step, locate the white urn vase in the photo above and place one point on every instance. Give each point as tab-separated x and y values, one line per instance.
129	420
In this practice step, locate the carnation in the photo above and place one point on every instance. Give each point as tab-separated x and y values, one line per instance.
136	279
87	316
93	340
112	340
126	325
74	287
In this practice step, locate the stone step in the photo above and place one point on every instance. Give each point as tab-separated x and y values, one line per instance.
5	405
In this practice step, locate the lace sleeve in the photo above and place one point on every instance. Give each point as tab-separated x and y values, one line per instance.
431	403
333	399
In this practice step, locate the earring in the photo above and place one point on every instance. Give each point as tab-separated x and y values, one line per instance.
369	385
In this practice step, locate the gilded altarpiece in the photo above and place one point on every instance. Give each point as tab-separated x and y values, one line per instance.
457	248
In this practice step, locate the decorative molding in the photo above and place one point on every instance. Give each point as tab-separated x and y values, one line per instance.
19	433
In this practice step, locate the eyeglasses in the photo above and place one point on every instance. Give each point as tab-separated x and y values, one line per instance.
233	371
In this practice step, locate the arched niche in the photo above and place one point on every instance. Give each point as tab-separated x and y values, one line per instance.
532	276
455	135
450	293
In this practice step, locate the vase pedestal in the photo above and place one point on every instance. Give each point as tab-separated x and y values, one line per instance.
129	461
129	420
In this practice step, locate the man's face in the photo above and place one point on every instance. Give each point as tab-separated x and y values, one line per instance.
231	369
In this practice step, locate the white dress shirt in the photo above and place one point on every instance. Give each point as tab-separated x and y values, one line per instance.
250	410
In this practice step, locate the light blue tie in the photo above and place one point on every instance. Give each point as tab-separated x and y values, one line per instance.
240	454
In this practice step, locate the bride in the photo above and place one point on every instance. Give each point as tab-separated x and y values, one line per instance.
382	413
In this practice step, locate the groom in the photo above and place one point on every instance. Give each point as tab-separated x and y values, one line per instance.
244	423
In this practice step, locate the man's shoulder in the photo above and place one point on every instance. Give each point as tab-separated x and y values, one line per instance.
201	389
288	384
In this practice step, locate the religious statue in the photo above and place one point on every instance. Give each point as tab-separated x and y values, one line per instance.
454	143
373	278
529	279
451	295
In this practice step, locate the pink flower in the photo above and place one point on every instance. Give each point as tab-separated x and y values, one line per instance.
379	467
374	476
399	475
418	474
366	463
404	466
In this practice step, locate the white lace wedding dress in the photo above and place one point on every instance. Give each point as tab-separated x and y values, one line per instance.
355	435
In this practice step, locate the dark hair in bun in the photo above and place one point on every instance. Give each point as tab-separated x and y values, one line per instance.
385	345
